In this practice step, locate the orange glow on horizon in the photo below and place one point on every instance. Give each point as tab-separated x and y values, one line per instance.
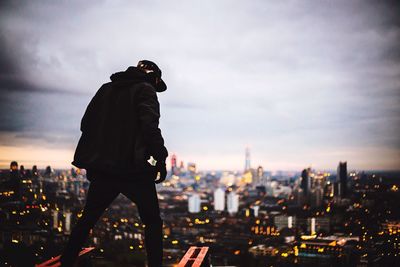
35	155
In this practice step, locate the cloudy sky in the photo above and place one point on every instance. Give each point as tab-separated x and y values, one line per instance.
299	82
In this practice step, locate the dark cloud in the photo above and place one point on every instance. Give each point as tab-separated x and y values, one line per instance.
284	76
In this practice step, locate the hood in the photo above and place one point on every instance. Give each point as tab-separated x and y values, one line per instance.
135	75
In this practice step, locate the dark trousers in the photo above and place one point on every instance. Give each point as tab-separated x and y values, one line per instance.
100	195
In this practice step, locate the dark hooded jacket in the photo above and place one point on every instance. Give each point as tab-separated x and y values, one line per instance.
120	126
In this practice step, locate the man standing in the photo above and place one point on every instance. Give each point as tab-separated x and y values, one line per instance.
123	151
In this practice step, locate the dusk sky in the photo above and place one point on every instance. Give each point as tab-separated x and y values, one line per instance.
302	83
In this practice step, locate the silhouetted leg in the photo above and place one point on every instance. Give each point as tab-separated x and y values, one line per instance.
100	195
144	195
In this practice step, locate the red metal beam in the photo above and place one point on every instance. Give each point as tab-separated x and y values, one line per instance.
195	256
55	262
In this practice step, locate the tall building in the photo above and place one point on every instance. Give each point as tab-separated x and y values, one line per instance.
15	180
233	202
283	221
317	224
67	224
305	183
256	209
194	203
258	178
54	214
219	199
174	164
342	178
247	160
191	167
317	195
13	166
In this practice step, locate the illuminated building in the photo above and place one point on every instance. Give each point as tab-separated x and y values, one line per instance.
390	236
67	224
263	250
342	179
247	177
284	221
194	203
54	214
233	202
330	251
264	228
219	199
174	165
318	224
255	209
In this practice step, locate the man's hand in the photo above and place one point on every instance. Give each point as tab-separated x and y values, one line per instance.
162	169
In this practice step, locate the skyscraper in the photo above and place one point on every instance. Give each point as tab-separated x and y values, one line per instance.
15	180
258	178
247	160
174	165
305	183
194	203
219	199
233	202
342	178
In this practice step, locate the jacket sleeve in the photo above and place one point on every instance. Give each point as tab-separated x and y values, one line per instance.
149	115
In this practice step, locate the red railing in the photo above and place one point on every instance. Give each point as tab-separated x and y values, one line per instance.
195	257
55	262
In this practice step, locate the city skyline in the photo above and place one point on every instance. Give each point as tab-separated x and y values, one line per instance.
300	83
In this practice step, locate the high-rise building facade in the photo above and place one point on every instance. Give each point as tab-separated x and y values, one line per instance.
174	164
233	202
342	178
194	203
258	177
305	183
219	199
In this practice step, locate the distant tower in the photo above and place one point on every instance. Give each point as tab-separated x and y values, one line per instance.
305	181
35	171
194	203
15	179
13	166
219	199
22	171
259	177
233	202
173	164
247	161
342	178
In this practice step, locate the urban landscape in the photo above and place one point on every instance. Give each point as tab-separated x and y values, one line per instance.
272	128
249	218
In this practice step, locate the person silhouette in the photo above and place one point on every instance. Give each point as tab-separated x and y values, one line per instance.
122	150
